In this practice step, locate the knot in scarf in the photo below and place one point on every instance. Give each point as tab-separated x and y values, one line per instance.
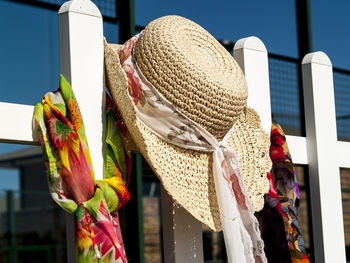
60	129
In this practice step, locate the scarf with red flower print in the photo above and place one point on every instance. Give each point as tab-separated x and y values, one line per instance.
278	220
60	129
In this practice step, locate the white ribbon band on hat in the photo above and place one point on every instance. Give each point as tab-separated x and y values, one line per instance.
241	231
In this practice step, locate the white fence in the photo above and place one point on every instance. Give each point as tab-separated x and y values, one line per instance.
81	57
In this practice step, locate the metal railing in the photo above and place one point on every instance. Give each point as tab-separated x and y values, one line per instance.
286	91
30	230
107	7
284	78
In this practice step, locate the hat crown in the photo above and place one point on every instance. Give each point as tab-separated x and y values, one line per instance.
193	71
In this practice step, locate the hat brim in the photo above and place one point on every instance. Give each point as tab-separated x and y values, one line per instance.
187	174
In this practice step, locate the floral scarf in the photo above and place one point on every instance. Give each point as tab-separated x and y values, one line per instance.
60	129
278	220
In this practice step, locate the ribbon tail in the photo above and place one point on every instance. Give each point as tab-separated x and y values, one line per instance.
252	226
250	222
239	246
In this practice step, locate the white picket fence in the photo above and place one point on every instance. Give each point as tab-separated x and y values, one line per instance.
81	60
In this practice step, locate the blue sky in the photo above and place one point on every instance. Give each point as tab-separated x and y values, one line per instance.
29	56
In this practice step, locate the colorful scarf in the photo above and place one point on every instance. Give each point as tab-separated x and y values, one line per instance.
241	230
58	125
278	220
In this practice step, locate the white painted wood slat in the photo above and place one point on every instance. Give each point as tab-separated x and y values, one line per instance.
81	63
16	124
321	142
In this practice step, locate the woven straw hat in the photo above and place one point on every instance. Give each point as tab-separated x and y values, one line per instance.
203	81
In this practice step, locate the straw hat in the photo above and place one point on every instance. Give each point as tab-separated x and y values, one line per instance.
203	81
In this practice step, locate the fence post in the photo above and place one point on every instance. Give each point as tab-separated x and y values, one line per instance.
321	139
182	233
81	60
251	55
